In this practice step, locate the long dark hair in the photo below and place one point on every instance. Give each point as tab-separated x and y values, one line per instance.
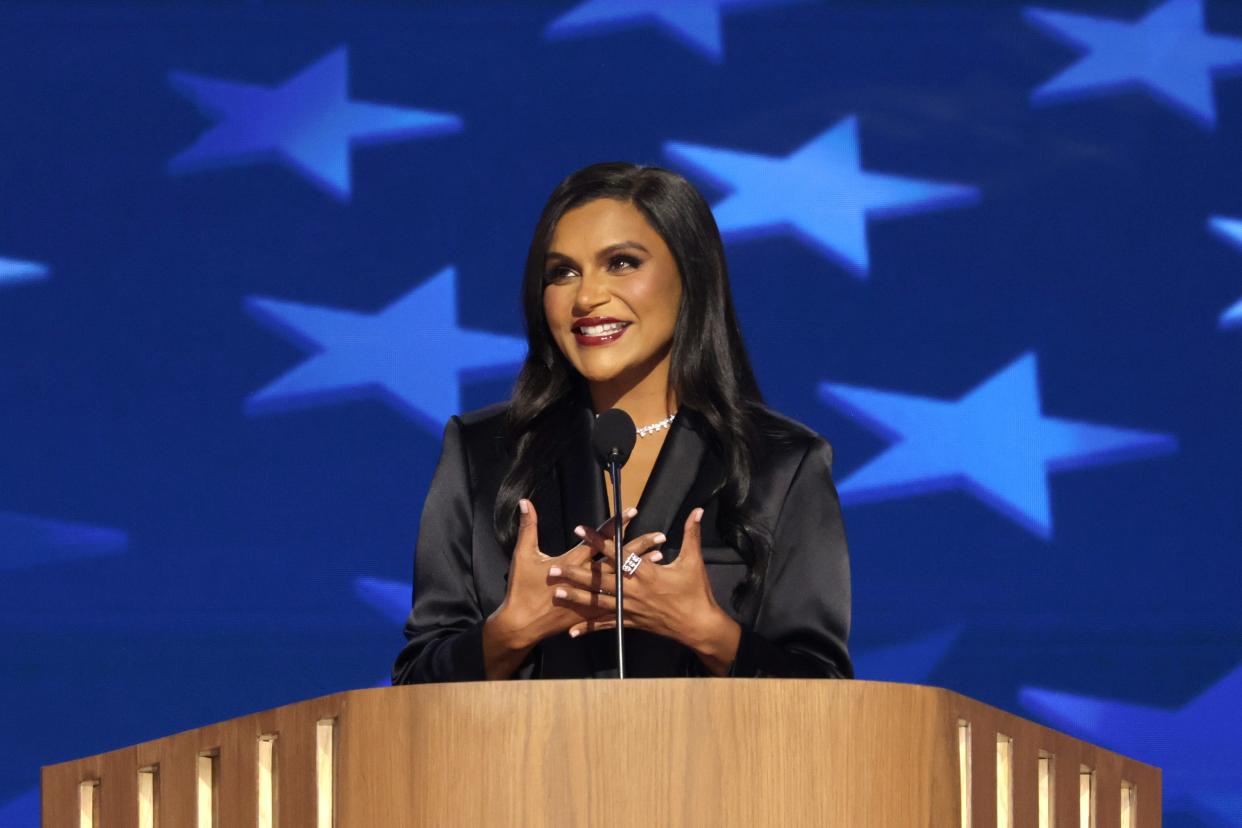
709	371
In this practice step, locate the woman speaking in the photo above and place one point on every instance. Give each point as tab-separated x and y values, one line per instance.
734	551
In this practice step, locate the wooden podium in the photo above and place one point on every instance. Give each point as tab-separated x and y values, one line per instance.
710	752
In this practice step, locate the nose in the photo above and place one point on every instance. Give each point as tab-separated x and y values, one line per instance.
592	293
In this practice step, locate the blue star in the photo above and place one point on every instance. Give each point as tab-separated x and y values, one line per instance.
13	271
911	662
1231	231
696	23
23	811
412	353
1196	747
819	193
993	442
391	599
30	541
1167	53
308	123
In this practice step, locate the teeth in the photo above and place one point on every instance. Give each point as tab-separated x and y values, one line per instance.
601	330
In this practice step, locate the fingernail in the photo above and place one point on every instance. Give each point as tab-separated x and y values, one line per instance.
698	515
659	537
630	512
523	506
657	556
554	571
560	593
574	633
579	531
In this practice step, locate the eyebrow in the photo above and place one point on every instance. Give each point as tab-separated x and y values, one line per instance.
604	253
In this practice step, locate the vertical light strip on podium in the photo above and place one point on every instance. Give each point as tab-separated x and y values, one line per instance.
148	796
206	792
1086	797
325	784
1129	805
266	788
1047	788
964	768
1004	781
88	804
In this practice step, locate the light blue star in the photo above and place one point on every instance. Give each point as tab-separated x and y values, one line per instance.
27	541
993	442
696	23
391	599
14	271
1198	748
1231	231
22	811
819	193
308	123
911	662
411	353
1167	53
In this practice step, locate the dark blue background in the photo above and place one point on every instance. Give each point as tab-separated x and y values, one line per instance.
124	374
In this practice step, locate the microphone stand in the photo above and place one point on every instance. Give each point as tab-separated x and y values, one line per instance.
614	470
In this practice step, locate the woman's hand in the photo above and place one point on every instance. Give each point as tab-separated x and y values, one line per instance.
529	612
674	600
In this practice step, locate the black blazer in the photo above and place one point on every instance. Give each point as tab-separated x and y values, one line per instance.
797	626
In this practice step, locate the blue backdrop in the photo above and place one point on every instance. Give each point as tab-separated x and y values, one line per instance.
253	256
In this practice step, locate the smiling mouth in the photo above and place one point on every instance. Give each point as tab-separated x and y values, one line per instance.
599	331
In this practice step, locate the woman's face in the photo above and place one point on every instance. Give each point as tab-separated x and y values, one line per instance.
611	291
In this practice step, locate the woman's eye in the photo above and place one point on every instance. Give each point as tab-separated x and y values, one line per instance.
622	263
558	274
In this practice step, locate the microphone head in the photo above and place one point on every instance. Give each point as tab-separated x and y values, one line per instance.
613	430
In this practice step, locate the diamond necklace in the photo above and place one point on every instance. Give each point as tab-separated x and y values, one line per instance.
654	427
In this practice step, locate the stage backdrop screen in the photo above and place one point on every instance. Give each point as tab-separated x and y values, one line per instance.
254	255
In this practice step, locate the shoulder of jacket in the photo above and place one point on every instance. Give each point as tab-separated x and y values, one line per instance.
784	436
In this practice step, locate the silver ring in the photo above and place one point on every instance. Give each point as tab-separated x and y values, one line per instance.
631	564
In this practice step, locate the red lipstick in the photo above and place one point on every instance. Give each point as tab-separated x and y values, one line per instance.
598	330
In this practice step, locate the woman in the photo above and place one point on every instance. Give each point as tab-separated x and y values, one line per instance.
730	513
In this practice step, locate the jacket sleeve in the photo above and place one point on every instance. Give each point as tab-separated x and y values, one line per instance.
444	633
803	621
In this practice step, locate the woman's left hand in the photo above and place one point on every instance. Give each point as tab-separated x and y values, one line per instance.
674	600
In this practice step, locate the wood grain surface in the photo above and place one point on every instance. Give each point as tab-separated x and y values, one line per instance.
694	752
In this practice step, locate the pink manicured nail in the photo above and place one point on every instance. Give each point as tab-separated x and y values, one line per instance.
657	556
560	593
659	537
574	633
579	531
698	515
523	506
630	512
554	571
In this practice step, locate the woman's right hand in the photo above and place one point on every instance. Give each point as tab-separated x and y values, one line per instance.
529	612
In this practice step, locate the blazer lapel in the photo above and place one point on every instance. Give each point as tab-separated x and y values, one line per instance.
582	499
684	471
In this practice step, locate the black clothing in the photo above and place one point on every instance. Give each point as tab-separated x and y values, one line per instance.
797	627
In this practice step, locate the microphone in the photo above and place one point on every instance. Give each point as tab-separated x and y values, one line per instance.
614	436
612	441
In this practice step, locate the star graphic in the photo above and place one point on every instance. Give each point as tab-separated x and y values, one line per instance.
910	662
412	353
696	23
1166	53
308	123
994	442
1230	230
819	192
1196	746
27	541
13	271
22	811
